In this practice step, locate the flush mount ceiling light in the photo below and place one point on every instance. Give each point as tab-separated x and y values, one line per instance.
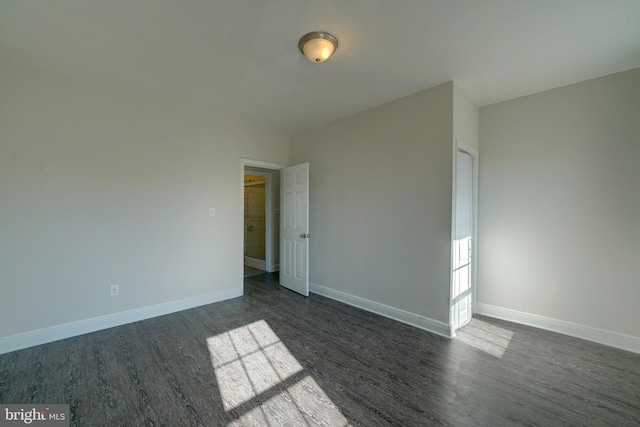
317	46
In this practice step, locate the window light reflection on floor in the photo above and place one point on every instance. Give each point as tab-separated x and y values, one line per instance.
486	337
262	383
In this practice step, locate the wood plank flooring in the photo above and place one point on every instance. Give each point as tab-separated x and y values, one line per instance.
250	271
273	358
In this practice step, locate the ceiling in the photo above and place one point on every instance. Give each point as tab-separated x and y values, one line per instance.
239	58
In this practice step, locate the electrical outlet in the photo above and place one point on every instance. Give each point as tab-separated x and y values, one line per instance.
115	290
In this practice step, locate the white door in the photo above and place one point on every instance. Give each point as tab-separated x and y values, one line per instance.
462	244
294	228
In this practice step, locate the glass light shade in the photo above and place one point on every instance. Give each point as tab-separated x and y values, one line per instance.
318	50
318	46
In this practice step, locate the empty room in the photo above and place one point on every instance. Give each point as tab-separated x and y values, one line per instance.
331	213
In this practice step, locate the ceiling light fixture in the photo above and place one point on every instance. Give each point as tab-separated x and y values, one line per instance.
317	46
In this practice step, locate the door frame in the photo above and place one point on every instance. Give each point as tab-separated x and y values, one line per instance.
457	147
244	163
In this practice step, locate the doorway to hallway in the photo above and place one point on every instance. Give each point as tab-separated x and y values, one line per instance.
271	174
255	221
261	220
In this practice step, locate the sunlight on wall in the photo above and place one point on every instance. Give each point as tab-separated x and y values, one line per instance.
262	383
486	337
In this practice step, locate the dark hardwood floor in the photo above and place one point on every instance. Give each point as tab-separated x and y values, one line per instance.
273	358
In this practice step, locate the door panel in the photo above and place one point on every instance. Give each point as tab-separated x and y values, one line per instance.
294	232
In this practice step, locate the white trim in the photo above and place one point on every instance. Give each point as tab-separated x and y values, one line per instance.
260	164
612	339
416	320
68	330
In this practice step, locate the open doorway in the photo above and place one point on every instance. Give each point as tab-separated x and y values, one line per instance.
255	222
261	217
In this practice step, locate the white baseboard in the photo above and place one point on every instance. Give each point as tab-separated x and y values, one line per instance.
68	330
403	316
276	267
260	264
612	339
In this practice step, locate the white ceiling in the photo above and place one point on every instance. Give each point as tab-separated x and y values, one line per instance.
239	58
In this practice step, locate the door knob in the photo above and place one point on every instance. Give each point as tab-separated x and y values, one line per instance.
305	236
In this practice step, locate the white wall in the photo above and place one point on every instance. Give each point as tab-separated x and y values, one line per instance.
560	204
380	196
466	119
98	186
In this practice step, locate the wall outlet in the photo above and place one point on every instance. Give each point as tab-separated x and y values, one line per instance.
212	211
115	290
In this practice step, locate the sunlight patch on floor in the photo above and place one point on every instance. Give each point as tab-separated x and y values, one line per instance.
486	337
262	383
304	403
